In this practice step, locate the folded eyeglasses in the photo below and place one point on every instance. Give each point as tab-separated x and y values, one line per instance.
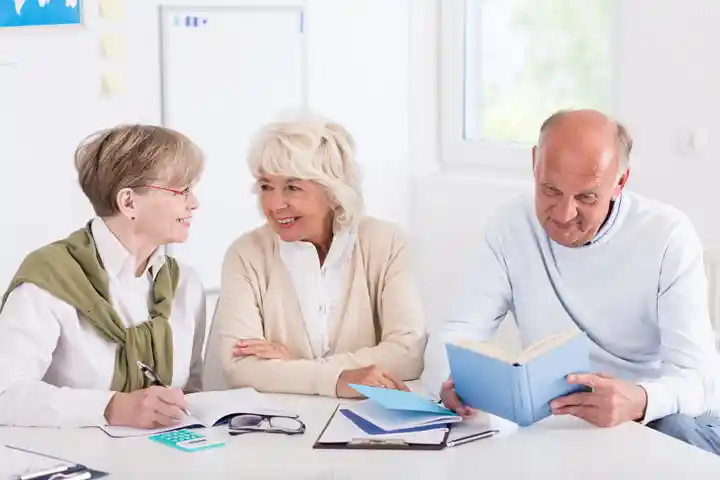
251	422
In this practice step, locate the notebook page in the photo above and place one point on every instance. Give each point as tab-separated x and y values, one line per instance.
122	432
207	408
211	407
14	463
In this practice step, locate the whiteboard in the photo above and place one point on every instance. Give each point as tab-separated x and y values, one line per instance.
225	72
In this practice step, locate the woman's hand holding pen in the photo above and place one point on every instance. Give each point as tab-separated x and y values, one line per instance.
151	407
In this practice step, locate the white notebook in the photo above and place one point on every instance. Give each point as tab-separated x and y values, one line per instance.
208	409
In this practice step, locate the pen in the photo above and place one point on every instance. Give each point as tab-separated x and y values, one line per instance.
72	476
154	380
472	438
48	473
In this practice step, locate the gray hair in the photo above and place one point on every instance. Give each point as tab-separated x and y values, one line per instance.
316	149
623	138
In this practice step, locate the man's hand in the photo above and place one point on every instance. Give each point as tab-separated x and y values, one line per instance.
451	401
611	402
371	376
152	407
262	349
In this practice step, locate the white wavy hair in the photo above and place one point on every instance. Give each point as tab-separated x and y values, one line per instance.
316	149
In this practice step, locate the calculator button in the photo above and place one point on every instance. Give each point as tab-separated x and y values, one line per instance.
197	443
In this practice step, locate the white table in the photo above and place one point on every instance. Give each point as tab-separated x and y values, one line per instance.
563	447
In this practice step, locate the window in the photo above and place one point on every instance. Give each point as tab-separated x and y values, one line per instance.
508	64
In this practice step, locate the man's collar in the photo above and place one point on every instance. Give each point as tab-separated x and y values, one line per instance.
609	220
115	257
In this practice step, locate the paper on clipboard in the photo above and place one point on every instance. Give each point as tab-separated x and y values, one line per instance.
15	463
342	430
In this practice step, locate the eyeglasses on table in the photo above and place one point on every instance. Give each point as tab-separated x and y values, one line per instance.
251	422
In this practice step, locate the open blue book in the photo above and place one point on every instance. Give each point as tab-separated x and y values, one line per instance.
394	411
518	388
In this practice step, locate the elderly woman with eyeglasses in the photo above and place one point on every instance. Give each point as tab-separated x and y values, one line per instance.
320	297
81	312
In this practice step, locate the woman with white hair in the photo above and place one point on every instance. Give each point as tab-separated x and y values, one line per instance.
320	297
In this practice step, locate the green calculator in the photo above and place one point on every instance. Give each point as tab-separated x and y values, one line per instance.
186	440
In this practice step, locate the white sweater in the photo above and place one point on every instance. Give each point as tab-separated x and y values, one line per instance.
638	290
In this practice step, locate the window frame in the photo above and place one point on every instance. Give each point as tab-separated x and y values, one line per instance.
457	151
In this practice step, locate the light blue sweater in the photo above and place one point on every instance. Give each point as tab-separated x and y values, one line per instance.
638	290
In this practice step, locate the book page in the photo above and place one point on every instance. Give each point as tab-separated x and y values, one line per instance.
486	348
545	345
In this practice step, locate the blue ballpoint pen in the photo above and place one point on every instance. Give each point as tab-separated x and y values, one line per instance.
150	375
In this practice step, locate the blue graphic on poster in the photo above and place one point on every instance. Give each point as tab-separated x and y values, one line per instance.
22	13
189	21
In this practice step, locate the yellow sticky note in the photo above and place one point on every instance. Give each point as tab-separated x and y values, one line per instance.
112	47
112	10
112	84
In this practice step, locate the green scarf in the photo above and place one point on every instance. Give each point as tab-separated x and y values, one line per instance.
71	270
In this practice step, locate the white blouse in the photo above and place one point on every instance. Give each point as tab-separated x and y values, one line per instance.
55	370
319	288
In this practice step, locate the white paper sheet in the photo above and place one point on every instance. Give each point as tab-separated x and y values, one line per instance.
14	463
343	430
397	419
481	423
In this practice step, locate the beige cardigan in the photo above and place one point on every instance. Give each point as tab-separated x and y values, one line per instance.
382	323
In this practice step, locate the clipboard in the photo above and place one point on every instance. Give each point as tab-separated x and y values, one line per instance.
366	442
45	467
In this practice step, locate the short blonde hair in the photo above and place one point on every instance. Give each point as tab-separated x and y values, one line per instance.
130	156
316	149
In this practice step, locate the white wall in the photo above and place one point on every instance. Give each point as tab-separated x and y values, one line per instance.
51	96
668	76
49	99
373	66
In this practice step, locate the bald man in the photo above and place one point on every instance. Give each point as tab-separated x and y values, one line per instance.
628	271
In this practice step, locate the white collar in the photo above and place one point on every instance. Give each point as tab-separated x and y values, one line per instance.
115	257
342	242
609	220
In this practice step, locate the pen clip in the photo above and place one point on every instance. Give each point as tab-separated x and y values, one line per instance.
149	374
